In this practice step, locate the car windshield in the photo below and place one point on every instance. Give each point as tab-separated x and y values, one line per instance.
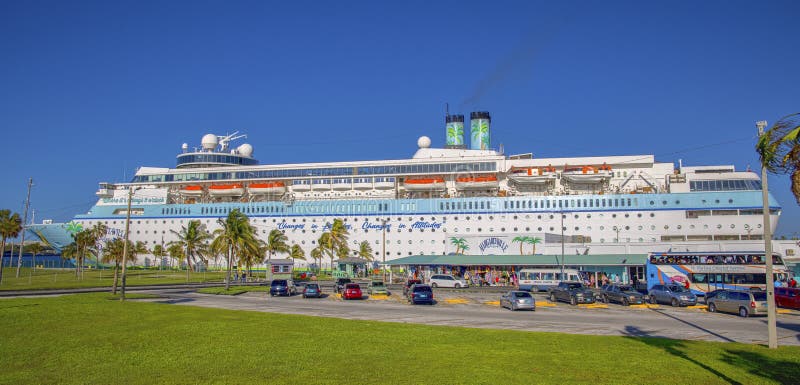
413	281
279	282
312	286
575	286
625	288
351	286
377	283
522	294
759	296
677	289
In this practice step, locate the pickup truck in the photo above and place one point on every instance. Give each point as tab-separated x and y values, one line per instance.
572	292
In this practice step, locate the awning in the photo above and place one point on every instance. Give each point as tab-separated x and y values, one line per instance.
522	260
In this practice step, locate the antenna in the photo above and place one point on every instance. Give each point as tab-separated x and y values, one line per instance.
225	140
447	108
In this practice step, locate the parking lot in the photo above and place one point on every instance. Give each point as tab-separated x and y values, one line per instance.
479	308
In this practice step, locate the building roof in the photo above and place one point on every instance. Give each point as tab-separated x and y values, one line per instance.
523	260
281	261
352	260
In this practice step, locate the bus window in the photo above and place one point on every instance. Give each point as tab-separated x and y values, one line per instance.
699	278
548	276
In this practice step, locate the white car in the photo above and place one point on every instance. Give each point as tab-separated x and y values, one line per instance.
447	280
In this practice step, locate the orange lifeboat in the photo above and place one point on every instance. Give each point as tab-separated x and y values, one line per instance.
192	190
485	182
585	174
266	188
226	190
424	183
531	175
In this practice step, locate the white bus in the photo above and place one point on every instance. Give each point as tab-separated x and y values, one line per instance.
541	279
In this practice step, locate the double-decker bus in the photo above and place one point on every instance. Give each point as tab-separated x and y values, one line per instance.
702	272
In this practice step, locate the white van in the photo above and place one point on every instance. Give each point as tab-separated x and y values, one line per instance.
541	279
446	280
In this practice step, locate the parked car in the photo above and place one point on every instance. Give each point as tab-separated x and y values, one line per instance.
420	293
674	295
312	290
377	287
572	292
788	297
352	291
623	294
407	285
282	287
340	282
515	300
742	302
447	280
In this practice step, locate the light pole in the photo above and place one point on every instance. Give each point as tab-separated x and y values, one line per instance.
772	332
383	247
562	244
131	189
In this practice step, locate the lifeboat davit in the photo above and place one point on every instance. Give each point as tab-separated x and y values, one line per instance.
226	190
532	175
266	188
424	184
487	182
587	174
192	191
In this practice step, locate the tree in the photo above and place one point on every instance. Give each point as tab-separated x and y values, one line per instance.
158	252
84	240
534	241
338	240
113	254
365	250
10	226
522	240
193	238
35	248
70	251
235	235
276	243
325	245
175	252
98	231
460	244
779	150
316	254
296	252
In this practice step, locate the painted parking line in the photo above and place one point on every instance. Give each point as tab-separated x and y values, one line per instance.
460	301
785	311
379	297
545	304
644	306
593	306
492	303
698	307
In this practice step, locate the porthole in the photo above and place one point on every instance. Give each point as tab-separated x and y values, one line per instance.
666	227
576	216
602	228
730	200
467	217
691	226
652	203
613	215
538	229
652	215
719	226
679	227
577	228
639	215
639	228
502	229
515	217
515	229
588	216
479	217
733	226
652	227
663	202
677	202
626	215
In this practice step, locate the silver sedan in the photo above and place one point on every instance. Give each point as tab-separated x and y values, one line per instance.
515	300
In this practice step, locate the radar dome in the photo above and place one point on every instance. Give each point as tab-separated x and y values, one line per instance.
209	142
245	150
185	146
424	142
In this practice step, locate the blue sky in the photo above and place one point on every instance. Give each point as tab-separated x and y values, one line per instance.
91	90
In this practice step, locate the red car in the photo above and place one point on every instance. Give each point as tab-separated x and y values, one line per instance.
351	291
788	297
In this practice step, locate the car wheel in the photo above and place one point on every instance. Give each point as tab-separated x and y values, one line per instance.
743	312
513	307
458	286
625	302
674	302
552	297
573	301
604	299
434	285
712	308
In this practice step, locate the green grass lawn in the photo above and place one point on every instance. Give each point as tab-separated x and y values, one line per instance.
89	339
65	278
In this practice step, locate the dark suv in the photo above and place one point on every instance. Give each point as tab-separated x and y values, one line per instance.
281	287
572	292
419	293
624	294
408	284
340	282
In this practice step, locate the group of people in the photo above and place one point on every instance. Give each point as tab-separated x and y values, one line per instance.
709	259
784	283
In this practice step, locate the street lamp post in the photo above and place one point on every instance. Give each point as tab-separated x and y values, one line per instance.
772	332
383	247
562	245
131	189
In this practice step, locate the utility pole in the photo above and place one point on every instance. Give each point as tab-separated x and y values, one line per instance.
772	331
24	223
125	245
383	247
562	245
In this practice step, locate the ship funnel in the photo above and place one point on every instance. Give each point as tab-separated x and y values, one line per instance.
480	125
454	131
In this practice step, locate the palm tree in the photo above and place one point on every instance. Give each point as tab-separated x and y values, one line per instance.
113	254
296	252
522	240
276	243
158	252
193	238
460	244
70	251
250	256
84	239
10	226
325	245
175	252
534	241
235	235
779	150
98	231
338	234
35	248
365	250
316	254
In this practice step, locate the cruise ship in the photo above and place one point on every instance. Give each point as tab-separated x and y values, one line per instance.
420	205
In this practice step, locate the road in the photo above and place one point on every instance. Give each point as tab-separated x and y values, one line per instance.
480	310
